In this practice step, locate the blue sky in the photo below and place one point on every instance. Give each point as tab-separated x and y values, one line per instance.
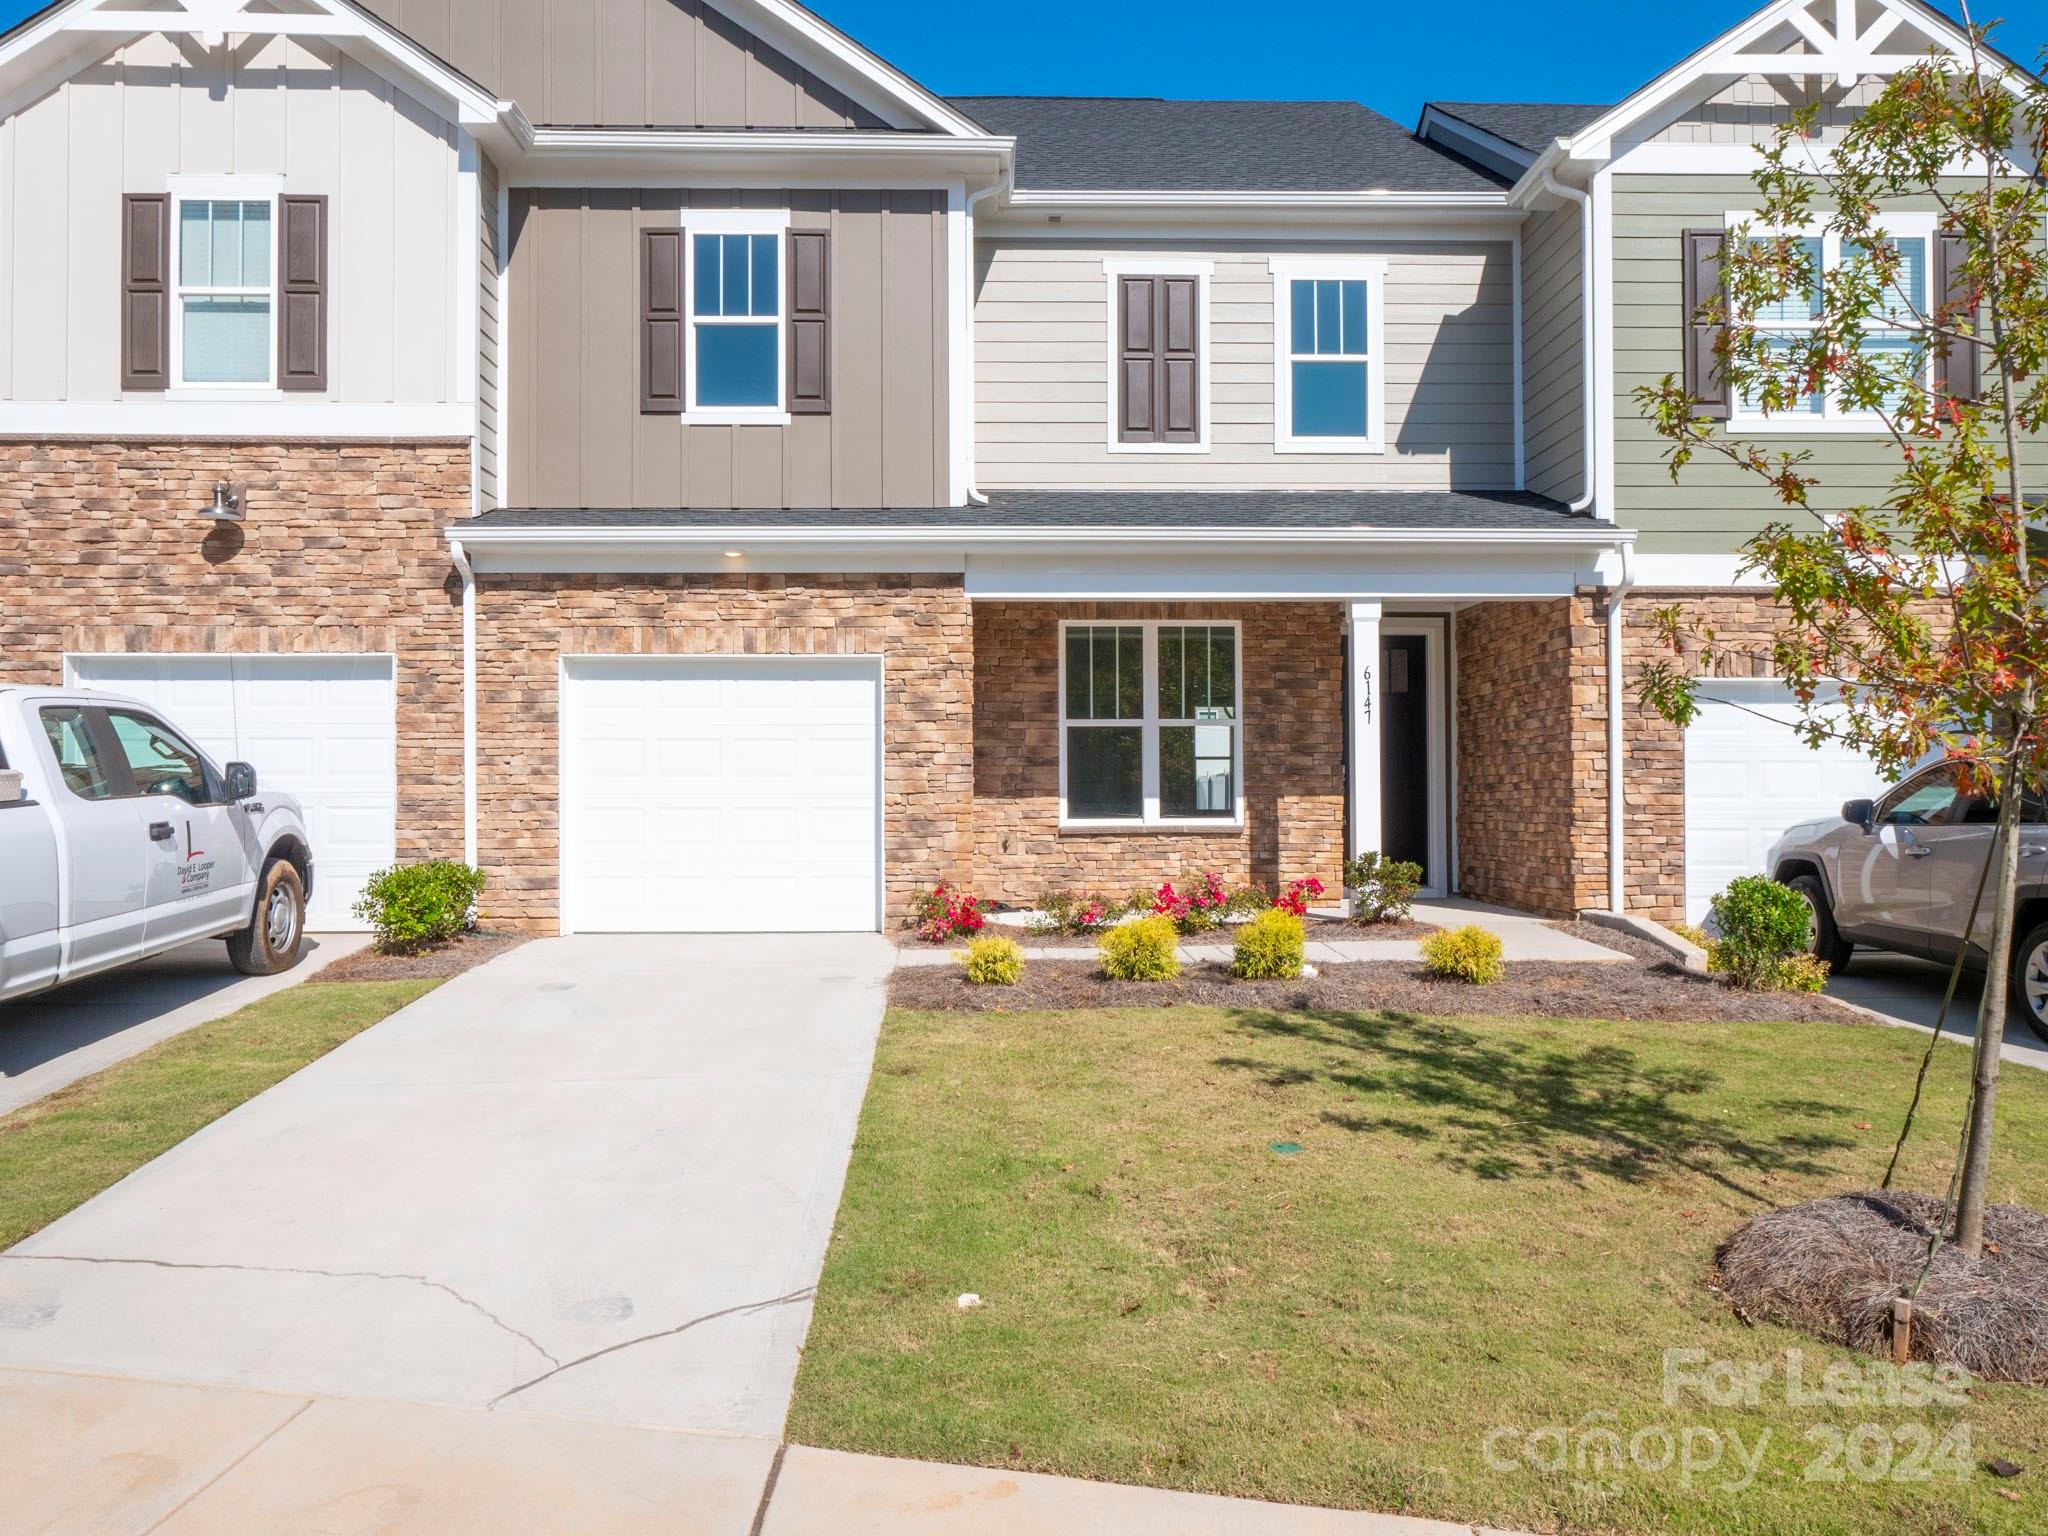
1393	57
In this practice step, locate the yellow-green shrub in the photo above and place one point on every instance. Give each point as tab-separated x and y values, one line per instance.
1269	947
994	961
1465	954
1799	973
1146	950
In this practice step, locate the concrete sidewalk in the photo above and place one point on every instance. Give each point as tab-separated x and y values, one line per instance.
144	1458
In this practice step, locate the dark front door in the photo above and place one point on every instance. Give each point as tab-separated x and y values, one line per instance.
1404	751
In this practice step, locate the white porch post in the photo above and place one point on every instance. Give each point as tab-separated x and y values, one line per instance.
1362	729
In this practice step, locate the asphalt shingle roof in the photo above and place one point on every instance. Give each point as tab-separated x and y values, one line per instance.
1142	143
1530	125
1431	511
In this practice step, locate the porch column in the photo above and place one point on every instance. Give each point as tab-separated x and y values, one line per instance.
1362	727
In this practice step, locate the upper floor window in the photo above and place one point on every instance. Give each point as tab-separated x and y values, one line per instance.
224	319
736	321
1788	323
1329	392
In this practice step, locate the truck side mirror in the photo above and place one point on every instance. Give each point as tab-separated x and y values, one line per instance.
1860	812
241	781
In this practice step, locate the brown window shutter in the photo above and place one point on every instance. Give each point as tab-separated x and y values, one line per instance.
1704	380
1958	365
146	291
1158	341
302	293
661	322
810	322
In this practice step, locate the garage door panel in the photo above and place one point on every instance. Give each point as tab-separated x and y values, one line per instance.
721	794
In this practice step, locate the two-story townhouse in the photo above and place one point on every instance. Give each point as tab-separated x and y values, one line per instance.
657	450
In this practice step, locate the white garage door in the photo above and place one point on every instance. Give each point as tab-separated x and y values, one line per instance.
721	794
1748	777
321	728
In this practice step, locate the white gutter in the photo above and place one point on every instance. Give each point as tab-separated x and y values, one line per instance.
1617	821
1040	197
1572	194
983	536
461	559
974	495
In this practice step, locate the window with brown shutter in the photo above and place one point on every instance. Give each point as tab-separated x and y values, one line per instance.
1700	251
145	291
302	293
1958	365
810	322
661	322
1158	344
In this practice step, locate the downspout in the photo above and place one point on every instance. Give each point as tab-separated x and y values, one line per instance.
1617	871
1571	194
974	496
461	558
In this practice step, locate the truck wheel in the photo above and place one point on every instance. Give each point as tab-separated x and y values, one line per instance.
2030	979
1826	941
271	941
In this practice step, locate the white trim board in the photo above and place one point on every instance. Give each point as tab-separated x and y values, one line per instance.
206	414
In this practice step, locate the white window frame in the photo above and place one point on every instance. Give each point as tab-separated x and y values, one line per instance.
1372	270
1148	723
735	221
1116	267
220	189
1833	419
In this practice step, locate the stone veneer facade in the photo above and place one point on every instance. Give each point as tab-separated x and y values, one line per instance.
341	551
1292	665
525	624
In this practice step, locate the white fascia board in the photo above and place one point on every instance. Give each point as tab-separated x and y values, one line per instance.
172	416
1278	576
1264	201
844	64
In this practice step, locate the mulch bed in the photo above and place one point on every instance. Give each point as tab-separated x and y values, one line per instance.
1619	942
1318	928
429	965
1542	989
1344	930
1832	1267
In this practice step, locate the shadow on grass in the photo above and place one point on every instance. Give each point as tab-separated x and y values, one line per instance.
1529	1108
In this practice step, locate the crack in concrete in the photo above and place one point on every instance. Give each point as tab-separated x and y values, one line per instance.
326	1274
648	1338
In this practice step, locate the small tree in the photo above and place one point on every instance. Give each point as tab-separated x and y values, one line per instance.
1915	623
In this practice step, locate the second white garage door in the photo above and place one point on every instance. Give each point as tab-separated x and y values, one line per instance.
1748	777
721	794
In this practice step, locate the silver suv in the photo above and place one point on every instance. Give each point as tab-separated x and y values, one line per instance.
1901	873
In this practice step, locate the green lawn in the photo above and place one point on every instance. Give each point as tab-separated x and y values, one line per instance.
58	1152
1490	1224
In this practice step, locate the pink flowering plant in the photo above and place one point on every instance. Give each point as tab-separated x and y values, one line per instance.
1197	909
1295	898
943	912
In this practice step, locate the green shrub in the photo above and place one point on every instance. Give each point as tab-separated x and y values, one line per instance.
416	906
1464	954
1246	901
1800	973
1383	888
1146	950
994	961
1763	924
1269	947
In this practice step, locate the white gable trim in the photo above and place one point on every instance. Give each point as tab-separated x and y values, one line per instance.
840	62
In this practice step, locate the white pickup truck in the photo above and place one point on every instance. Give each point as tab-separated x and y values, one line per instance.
124	840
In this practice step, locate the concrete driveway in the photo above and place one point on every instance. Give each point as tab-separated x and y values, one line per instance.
593	1179
1908	992
57	1037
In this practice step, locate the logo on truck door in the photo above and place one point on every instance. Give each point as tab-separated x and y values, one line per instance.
194	879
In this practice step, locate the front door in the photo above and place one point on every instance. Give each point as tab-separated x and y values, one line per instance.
1408	806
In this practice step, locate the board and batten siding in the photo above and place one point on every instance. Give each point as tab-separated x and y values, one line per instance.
1713	507
271	106
577	436
487	331
1041	333
624	63
1554	353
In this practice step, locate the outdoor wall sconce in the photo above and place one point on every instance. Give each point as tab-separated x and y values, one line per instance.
227	502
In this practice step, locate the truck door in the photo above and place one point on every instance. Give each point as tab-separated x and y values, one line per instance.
102	852
198	870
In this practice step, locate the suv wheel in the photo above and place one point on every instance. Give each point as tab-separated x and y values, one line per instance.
2030	979
1822	937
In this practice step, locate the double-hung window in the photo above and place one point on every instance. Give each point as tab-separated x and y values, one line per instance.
1150	727
1329	378
1790	321
224	321
736	322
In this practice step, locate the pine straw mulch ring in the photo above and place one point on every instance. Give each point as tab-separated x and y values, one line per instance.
1833	1267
